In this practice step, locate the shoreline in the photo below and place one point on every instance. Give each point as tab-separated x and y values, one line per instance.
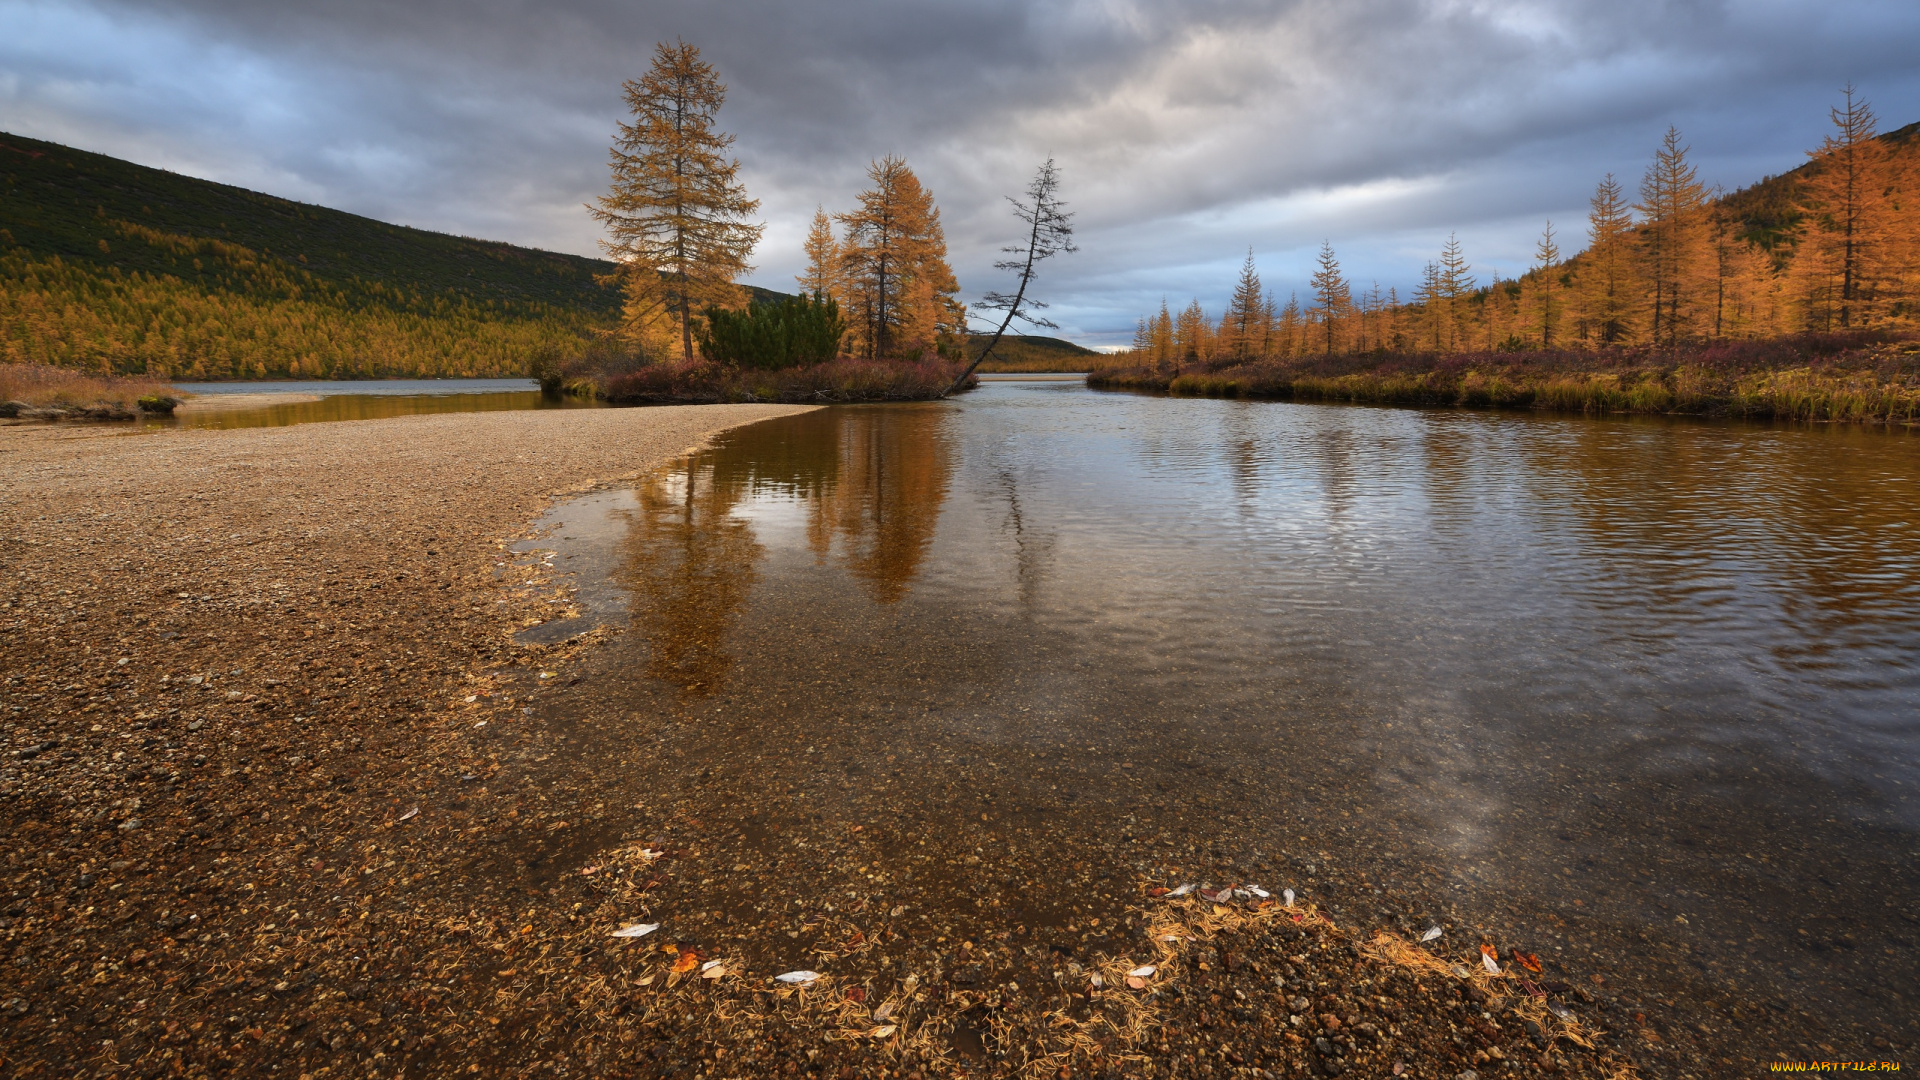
210	403
286	787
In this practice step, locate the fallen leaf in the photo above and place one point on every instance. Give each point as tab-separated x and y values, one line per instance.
712	969
1258	891
1182	890
589	871
1136	982
882	1031
1286	897
798	976
637	930
1488	963
1158	890
411	814
1431	934
1488	950
647	981
1142	972
883	1011
1527	960
687	962
856	993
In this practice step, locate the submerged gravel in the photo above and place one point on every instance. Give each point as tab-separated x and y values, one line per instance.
283	797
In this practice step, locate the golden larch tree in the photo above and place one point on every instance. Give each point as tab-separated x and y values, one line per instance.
1673	205
822	276
1542	287
1605	281
677	212
1845	200
1240	329
900	290
1331	296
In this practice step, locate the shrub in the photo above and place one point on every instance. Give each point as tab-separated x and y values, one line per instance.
798	331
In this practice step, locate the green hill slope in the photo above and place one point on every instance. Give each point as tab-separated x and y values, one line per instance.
1021	352
1769	211
105	264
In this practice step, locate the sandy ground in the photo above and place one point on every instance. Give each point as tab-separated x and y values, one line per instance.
206	403
278	801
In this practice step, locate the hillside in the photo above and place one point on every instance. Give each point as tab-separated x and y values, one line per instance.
1769	210
1020	352
107	264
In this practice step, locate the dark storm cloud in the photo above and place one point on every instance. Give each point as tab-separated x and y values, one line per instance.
1188	131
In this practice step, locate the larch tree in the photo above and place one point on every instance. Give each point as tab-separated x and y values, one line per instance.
1456	286
1331	295
1240	326
1846	201
1606	269
1291	327
894	256
1191	335
822	276
678	216
1673	203
1163	349
1049	233
1545	290
1430	295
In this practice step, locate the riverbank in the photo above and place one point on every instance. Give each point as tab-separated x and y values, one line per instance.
1813	377
38	392
840	381
283	791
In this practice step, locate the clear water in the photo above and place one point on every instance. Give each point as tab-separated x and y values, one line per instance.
1642	696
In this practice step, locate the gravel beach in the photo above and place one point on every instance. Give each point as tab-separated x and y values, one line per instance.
283	797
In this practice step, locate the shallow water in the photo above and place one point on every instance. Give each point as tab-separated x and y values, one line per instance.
1642	696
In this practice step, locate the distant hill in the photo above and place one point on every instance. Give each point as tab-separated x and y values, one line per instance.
105	263
1020	352
1769	211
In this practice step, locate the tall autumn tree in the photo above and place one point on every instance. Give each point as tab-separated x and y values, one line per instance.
677	212
1456	286
1240	326
1606	269
1673	204
822	276
1544	286
1845	198
1331	295
894	256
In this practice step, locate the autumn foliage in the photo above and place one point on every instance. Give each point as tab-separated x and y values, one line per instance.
1679	266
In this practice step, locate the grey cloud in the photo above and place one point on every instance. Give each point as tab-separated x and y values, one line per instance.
1187	130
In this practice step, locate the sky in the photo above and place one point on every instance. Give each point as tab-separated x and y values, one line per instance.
1187	132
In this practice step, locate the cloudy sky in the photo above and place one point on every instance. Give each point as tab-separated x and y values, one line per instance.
1188	131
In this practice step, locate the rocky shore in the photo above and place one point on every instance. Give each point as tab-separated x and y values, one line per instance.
284	798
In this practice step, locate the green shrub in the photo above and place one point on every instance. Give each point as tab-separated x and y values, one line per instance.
797	331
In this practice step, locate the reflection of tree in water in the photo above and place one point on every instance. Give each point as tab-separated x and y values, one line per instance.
690	563
894	467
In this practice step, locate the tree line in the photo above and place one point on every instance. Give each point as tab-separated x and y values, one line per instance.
1677	265
680	226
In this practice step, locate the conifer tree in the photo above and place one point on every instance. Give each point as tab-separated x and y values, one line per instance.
1606	279
1240	326
1331	296
895	262
1190	335
1163	351
677	212
822	276
1430	295
1290	327
1456	286
1546	286
1673	202
1846	200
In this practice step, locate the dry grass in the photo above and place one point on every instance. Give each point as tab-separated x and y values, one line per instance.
56	393
1858	378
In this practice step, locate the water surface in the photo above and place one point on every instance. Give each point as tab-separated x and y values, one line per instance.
1640	695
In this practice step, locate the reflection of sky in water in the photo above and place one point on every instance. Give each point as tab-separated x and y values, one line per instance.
1616	669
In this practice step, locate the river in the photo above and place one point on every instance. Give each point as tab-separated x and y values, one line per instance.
1640	695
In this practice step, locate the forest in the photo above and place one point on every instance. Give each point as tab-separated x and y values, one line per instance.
1799	295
